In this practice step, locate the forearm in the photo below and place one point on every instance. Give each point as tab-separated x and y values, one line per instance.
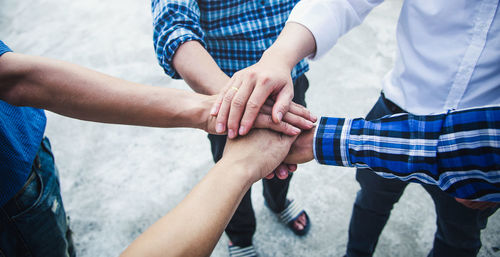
395	145
294	43
194	227
196	224
457	151
81	93
199	69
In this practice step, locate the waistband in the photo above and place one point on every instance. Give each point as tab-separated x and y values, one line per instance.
391	105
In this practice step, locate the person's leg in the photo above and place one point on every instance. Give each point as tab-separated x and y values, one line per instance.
242	225
275	191
458	227
34	222
374	200
371	210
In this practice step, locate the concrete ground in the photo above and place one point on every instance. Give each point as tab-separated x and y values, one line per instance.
117	180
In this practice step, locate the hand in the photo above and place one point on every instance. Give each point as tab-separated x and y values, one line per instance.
246	93
291	124
260	152
282	171
480	205
302	148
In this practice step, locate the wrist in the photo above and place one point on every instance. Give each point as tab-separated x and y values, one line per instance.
280	57
242	172
202	118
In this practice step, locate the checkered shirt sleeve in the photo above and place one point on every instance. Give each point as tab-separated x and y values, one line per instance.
175	22
458	151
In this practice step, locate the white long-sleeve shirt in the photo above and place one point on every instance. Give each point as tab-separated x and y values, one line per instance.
448	50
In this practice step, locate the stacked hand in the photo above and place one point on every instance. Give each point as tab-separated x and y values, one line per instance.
262	87
261	97
293	122
260	152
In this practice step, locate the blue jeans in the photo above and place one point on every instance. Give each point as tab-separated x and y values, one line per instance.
458	227
34	223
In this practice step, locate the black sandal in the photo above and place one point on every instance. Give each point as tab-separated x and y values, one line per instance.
291	213
236	251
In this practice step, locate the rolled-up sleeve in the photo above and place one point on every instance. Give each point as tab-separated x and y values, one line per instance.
175	22
328	20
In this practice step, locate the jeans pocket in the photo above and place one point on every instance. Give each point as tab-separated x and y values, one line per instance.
47	147
29	198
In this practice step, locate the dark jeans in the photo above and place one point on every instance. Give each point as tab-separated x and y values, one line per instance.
242	226
458	227
33	223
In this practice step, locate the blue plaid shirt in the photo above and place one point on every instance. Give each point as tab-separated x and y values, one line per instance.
235	33
459	151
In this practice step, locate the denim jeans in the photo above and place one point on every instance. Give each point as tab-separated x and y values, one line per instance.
33	222
458	227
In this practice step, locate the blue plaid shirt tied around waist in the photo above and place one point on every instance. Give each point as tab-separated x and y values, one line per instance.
235	33
458	151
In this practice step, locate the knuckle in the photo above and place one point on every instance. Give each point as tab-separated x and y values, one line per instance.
305	111
221	119
284	126
265	80
252	105
227	98
238	103
267	120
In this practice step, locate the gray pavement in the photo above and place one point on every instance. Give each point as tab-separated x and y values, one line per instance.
117	180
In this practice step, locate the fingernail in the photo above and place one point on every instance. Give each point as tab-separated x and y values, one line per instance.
295	131
310	124
230	133
283	173
314	118
213	111
219	128
280	116
242	130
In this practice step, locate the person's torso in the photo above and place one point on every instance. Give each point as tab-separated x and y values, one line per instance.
238	32
21	132
449	56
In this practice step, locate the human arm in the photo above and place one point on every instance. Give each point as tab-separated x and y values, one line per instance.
196	224
180	46
77	92
313	28
199	69
458	151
